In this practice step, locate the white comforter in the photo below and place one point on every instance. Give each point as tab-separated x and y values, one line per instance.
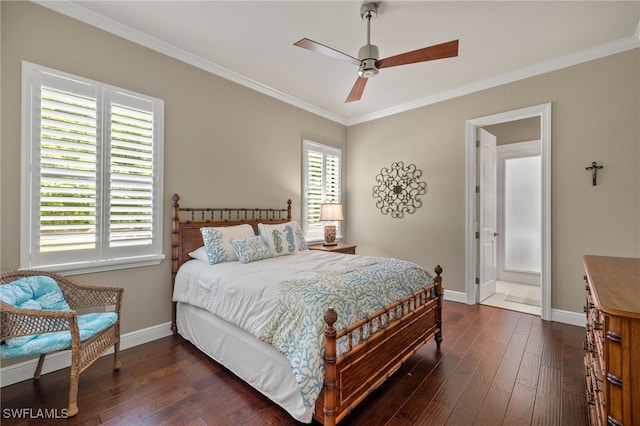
246	295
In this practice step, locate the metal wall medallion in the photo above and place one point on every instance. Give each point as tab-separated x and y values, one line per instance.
398	189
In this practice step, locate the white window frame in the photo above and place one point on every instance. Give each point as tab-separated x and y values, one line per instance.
105	255
313	232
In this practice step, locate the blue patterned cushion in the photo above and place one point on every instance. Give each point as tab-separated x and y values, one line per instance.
250	249
216	241
282	239
89	325
38	292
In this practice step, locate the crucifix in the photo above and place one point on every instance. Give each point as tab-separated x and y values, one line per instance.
594	171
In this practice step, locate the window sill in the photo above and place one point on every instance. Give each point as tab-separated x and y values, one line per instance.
102	266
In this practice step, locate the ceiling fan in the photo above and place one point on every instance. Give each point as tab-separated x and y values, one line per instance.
368	61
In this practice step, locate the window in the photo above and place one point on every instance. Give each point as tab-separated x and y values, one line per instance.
322	180
92	174
522	214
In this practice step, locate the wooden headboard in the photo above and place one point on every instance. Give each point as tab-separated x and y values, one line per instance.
187	221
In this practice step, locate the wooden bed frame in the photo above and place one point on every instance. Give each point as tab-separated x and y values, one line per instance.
350	377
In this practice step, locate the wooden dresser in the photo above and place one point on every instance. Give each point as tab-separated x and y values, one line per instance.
612	346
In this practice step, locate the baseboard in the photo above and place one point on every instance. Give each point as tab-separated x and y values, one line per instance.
455	296
557	315
23	371
568	317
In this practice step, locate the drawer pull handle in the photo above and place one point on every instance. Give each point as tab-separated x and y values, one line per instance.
614	380
613	422
614	337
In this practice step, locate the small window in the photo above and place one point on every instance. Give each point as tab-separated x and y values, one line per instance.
92	174
322	182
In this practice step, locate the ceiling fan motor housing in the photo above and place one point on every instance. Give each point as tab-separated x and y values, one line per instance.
368	56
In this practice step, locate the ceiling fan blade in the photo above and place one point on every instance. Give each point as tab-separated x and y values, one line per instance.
324	50
356	91
438	51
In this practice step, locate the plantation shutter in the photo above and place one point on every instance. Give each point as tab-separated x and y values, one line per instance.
314	190
92	188
131	172
322	184
68	174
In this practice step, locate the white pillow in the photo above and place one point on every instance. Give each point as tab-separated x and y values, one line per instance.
283	238
200	254
250	249
216	241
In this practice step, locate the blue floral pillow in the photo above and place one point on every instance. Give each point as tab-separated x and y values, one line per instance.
250	249
216	241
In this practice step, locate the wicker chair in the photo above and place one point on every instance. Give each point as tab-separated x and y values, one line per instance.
17	322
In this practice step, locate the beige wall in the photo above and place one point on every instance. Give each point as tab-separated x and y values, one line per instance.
595	118
225	145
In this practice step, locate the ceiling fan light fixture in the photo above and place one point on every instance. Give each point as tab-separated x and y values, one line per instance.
368	68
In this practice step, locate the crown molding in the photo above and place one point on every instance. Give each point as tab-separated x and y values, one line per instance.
89	17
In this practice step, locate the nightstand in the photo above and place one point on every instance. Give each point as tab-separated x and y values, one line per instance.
339	248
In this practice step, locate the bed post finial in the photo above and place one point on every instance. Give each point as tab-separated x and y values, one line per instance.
289	210
438	270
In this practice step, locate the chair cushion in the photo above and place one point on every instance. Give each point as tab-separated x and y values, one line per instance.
34	292
89	325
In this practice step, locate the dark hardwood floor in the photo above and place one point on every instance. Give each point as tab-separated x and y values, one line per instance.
495	367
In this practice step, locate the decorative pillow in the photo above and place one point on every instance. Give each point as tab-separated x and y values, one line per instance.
250	249
200	254
283	238
38	292
302	243
216	241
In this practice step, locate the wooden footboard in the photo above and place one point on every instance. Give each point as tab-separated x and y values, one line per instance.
407	325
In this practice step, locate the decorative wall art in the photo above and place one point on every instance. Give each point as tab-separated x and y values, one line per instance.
594	172
398	189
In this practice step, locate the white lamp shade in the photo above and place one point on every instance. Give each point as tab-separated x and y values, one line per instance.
331	212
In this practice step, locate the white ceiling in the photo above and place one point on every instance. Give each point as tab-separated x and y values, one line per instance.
251	42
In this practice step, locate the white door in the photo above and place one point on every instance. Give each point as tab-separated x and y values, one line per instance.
487	223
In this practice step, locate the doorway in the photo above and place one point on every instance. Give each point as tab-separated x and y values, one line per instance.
518	213
476	259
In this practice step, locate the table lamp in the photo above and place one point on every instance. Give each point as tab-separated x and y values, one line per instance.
330	212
